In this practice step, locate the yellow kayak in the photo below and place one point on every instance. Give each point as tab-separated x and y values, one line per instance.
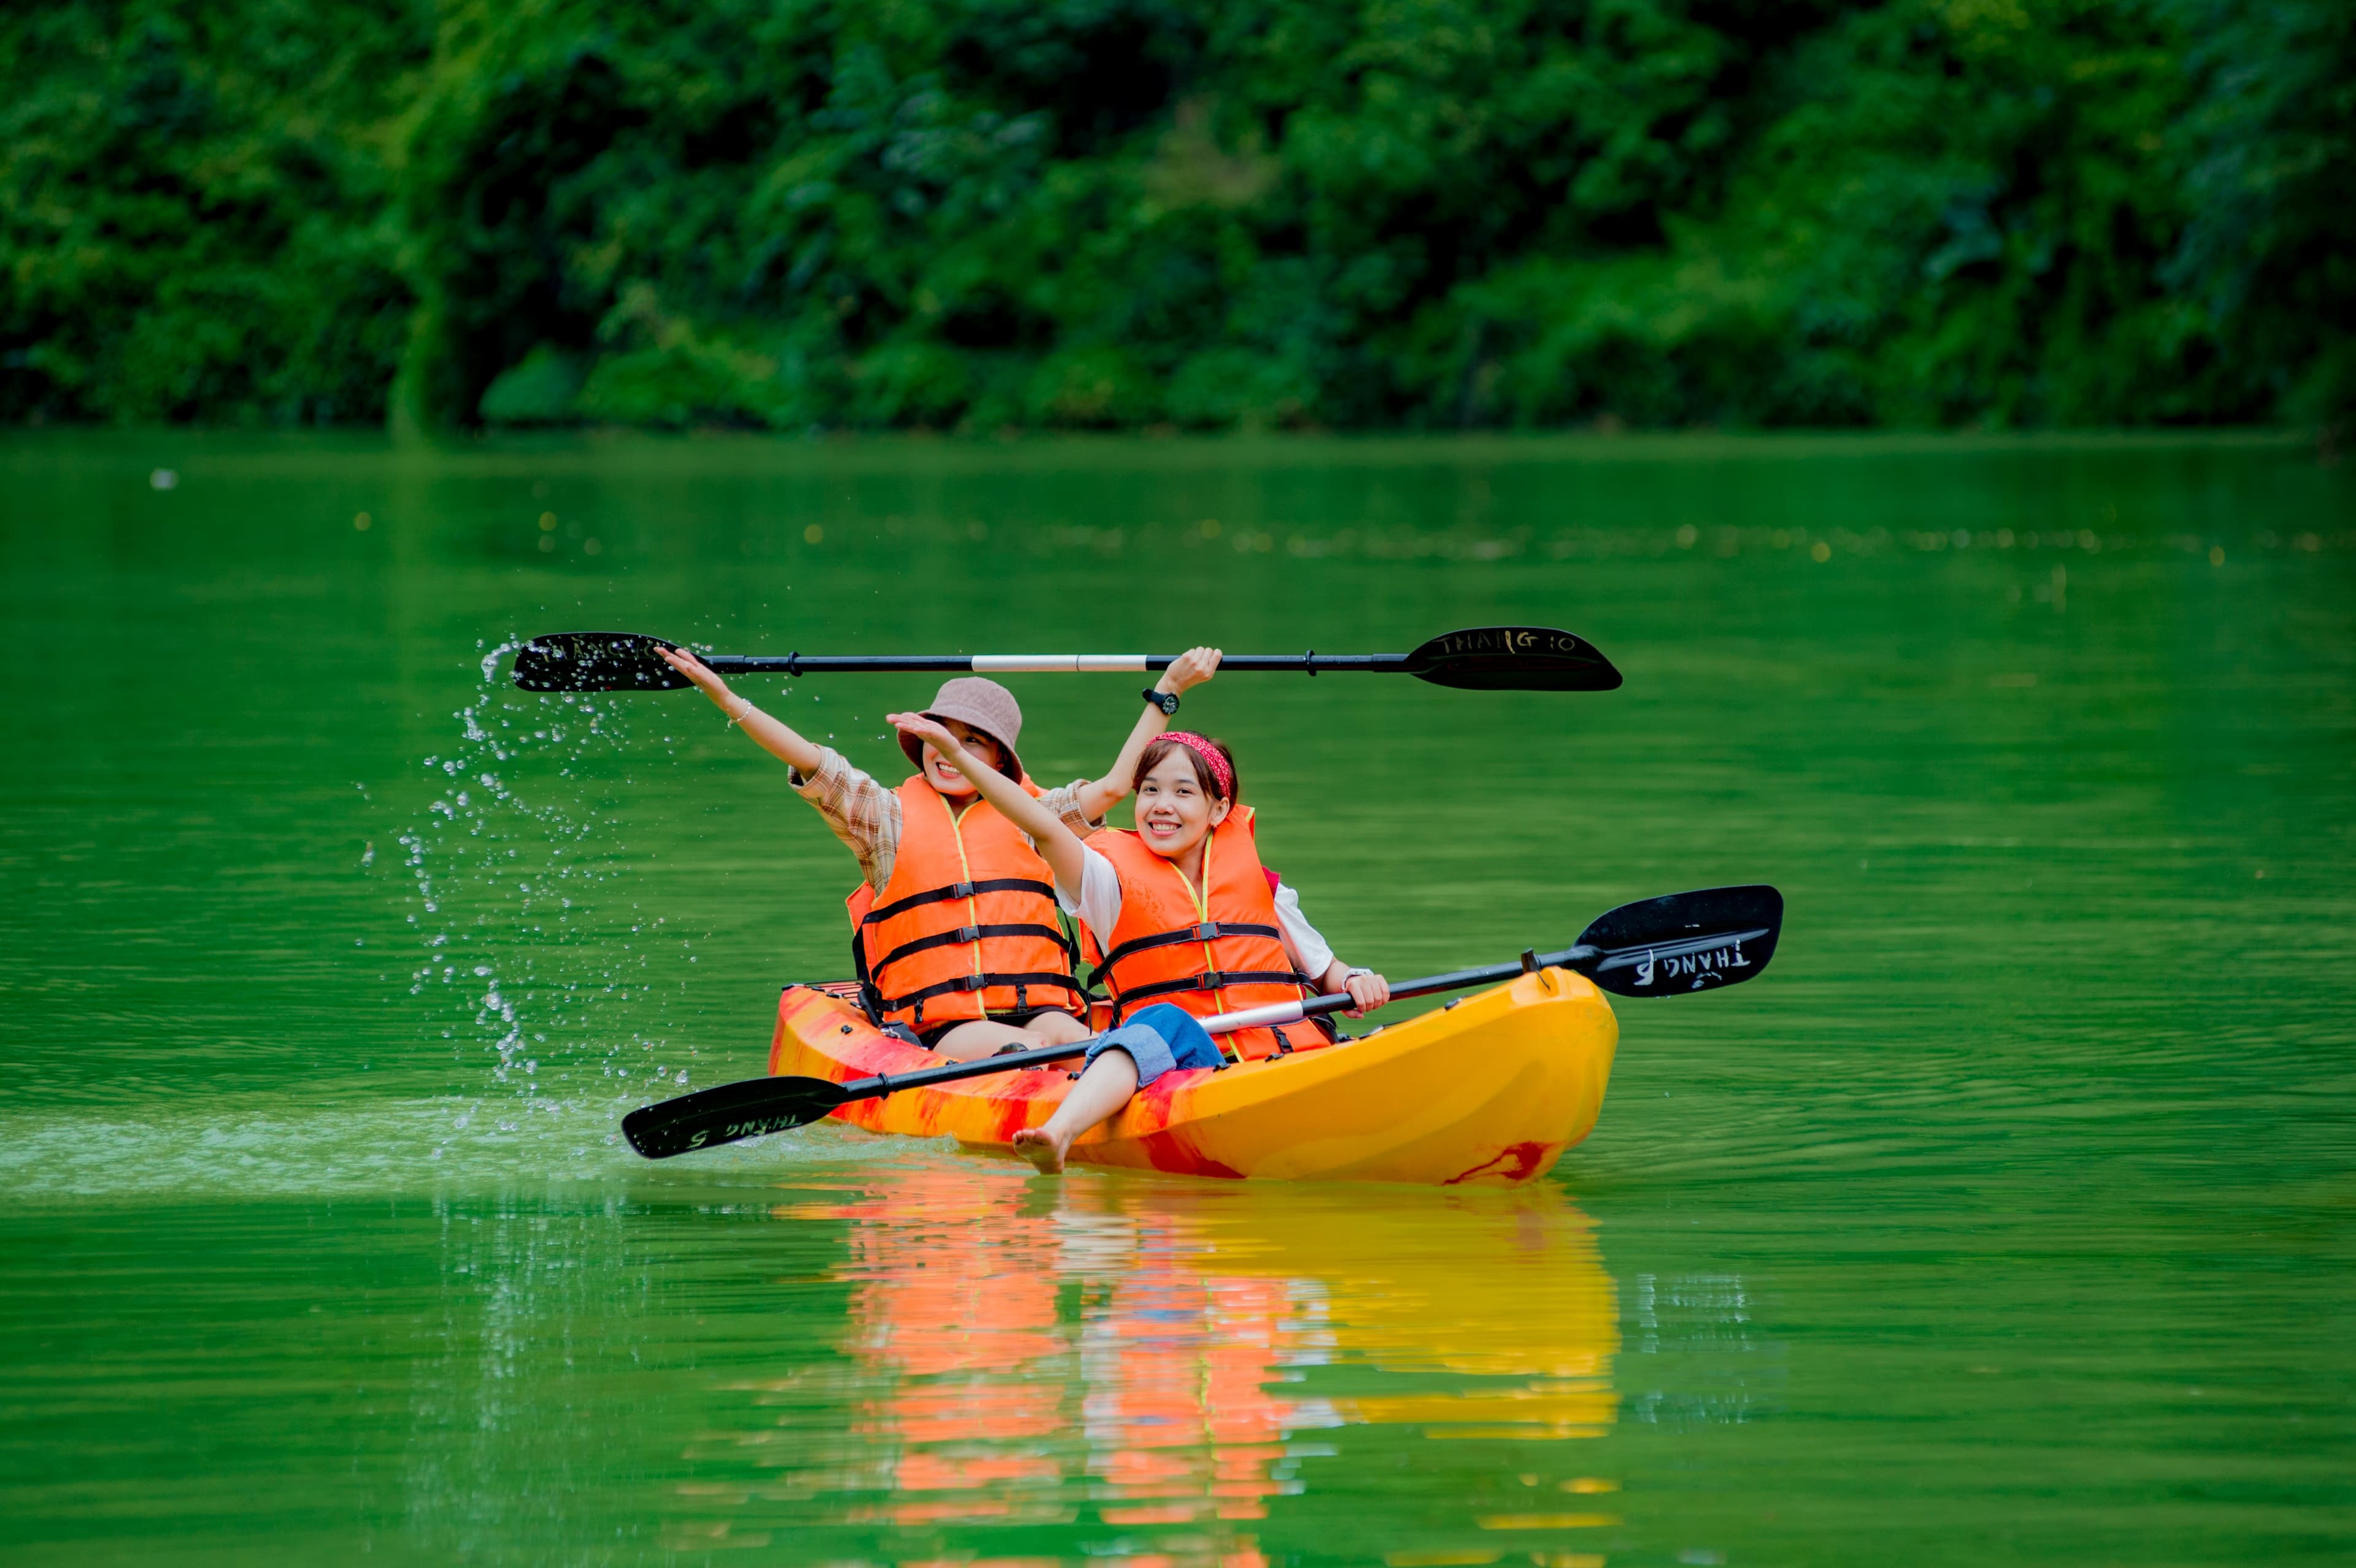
1490	1089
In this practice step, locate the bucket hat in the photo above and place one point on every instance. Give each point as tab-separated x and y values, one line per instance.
984	704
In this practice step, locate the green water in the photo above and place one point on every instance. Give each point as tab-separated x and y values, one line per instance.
2008	1219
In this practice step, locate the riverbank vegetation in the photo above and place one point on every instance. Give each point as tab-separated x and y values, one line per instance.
1128	213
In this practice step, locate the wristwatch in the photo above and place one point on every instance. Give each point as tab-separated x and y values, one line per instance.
1165	700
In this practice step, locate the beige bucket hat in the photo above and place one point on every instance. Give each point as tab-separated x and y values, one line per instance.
984	704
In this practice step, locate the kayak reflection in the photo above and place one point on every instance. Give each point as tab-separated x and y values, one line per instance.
1123	1356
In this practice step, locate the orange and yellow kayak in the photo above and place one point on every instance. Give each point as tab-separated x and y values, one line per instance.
1491	1089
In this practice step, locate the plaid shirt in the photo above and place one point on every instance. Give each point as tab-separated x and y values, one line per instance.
866	817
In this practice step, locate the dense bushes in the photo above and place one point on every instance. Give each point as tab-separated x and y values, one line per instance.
1111	213
195	218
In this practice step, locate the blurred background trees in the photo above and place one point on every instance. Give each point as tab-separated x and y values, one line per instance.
1121	213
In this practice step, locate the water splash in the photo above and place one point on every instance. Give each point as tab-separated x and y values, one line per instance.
551	985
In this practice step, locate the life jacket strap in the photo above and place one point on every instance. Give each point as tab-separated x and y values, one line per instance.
964	934
958	891
1208	931
871	998
982	983
1214	980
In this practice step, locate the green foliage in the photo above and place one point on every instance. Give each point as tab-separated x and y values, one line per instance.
544	389
1951	213
194	209
2270	247
1104	214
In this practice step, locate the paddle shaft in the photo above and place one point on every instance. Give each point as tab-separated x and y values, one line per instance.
1310	663
1479	659
1274	1013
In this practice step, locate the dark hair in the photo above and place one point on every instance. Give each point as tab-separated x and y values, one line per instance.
1204	776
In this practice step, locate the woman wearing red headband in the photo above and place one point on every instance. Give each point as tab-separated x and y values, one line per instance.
1180	918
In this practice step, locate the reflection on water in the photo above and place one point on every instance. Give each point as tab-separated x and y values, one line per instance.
1696	1314
1153	1364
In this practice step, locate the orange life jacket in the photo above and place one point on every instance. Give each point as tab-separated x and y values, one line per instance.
1210	950
966	926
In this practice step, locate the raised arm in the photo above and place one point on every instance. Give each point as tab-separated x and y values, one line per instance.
1188	670
1062	849
771	736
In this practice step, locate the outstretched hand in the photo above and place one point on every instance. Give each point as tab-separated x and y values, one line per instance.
696	670
932	733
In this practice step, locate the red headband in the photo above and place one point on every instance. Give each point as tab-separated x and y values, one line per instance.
1202	747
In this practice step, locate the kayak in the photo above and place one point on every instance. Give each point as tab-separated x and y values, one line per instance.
1490	1089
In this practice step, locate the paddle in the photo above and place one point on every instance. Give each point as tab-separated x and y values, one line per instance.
1484	658
1685	942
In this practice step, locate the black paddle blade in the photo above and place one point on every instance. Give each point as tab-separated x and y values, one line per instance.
1513	658
595	661
723	1114
1685	942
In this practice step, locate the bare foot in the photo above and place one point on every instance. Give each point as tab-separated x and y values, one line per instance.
1041	1148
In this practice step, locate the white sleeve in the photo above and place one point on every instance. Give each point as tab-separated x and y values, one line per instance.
1308	951
1099	905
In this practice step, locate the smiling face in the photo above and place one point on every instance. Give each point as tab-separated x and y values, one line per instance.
1173	809
947	779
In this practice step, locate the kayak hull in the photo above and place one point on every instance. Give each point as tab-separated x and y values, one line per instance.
1489	1090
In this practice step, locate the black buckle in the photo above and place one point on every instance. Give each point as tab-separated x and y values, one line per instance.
1209	980
974	983
1207	931
961	890
968	933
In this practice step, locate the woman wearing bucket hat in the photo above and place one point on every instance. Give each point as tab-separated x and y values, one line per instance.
1183	920
954	929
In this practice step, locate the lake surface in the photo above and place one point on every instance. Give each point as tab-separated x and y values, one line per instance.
2010	1217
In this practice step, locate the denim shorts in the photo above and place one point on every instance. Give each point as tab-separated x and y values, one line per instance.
1160	1038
